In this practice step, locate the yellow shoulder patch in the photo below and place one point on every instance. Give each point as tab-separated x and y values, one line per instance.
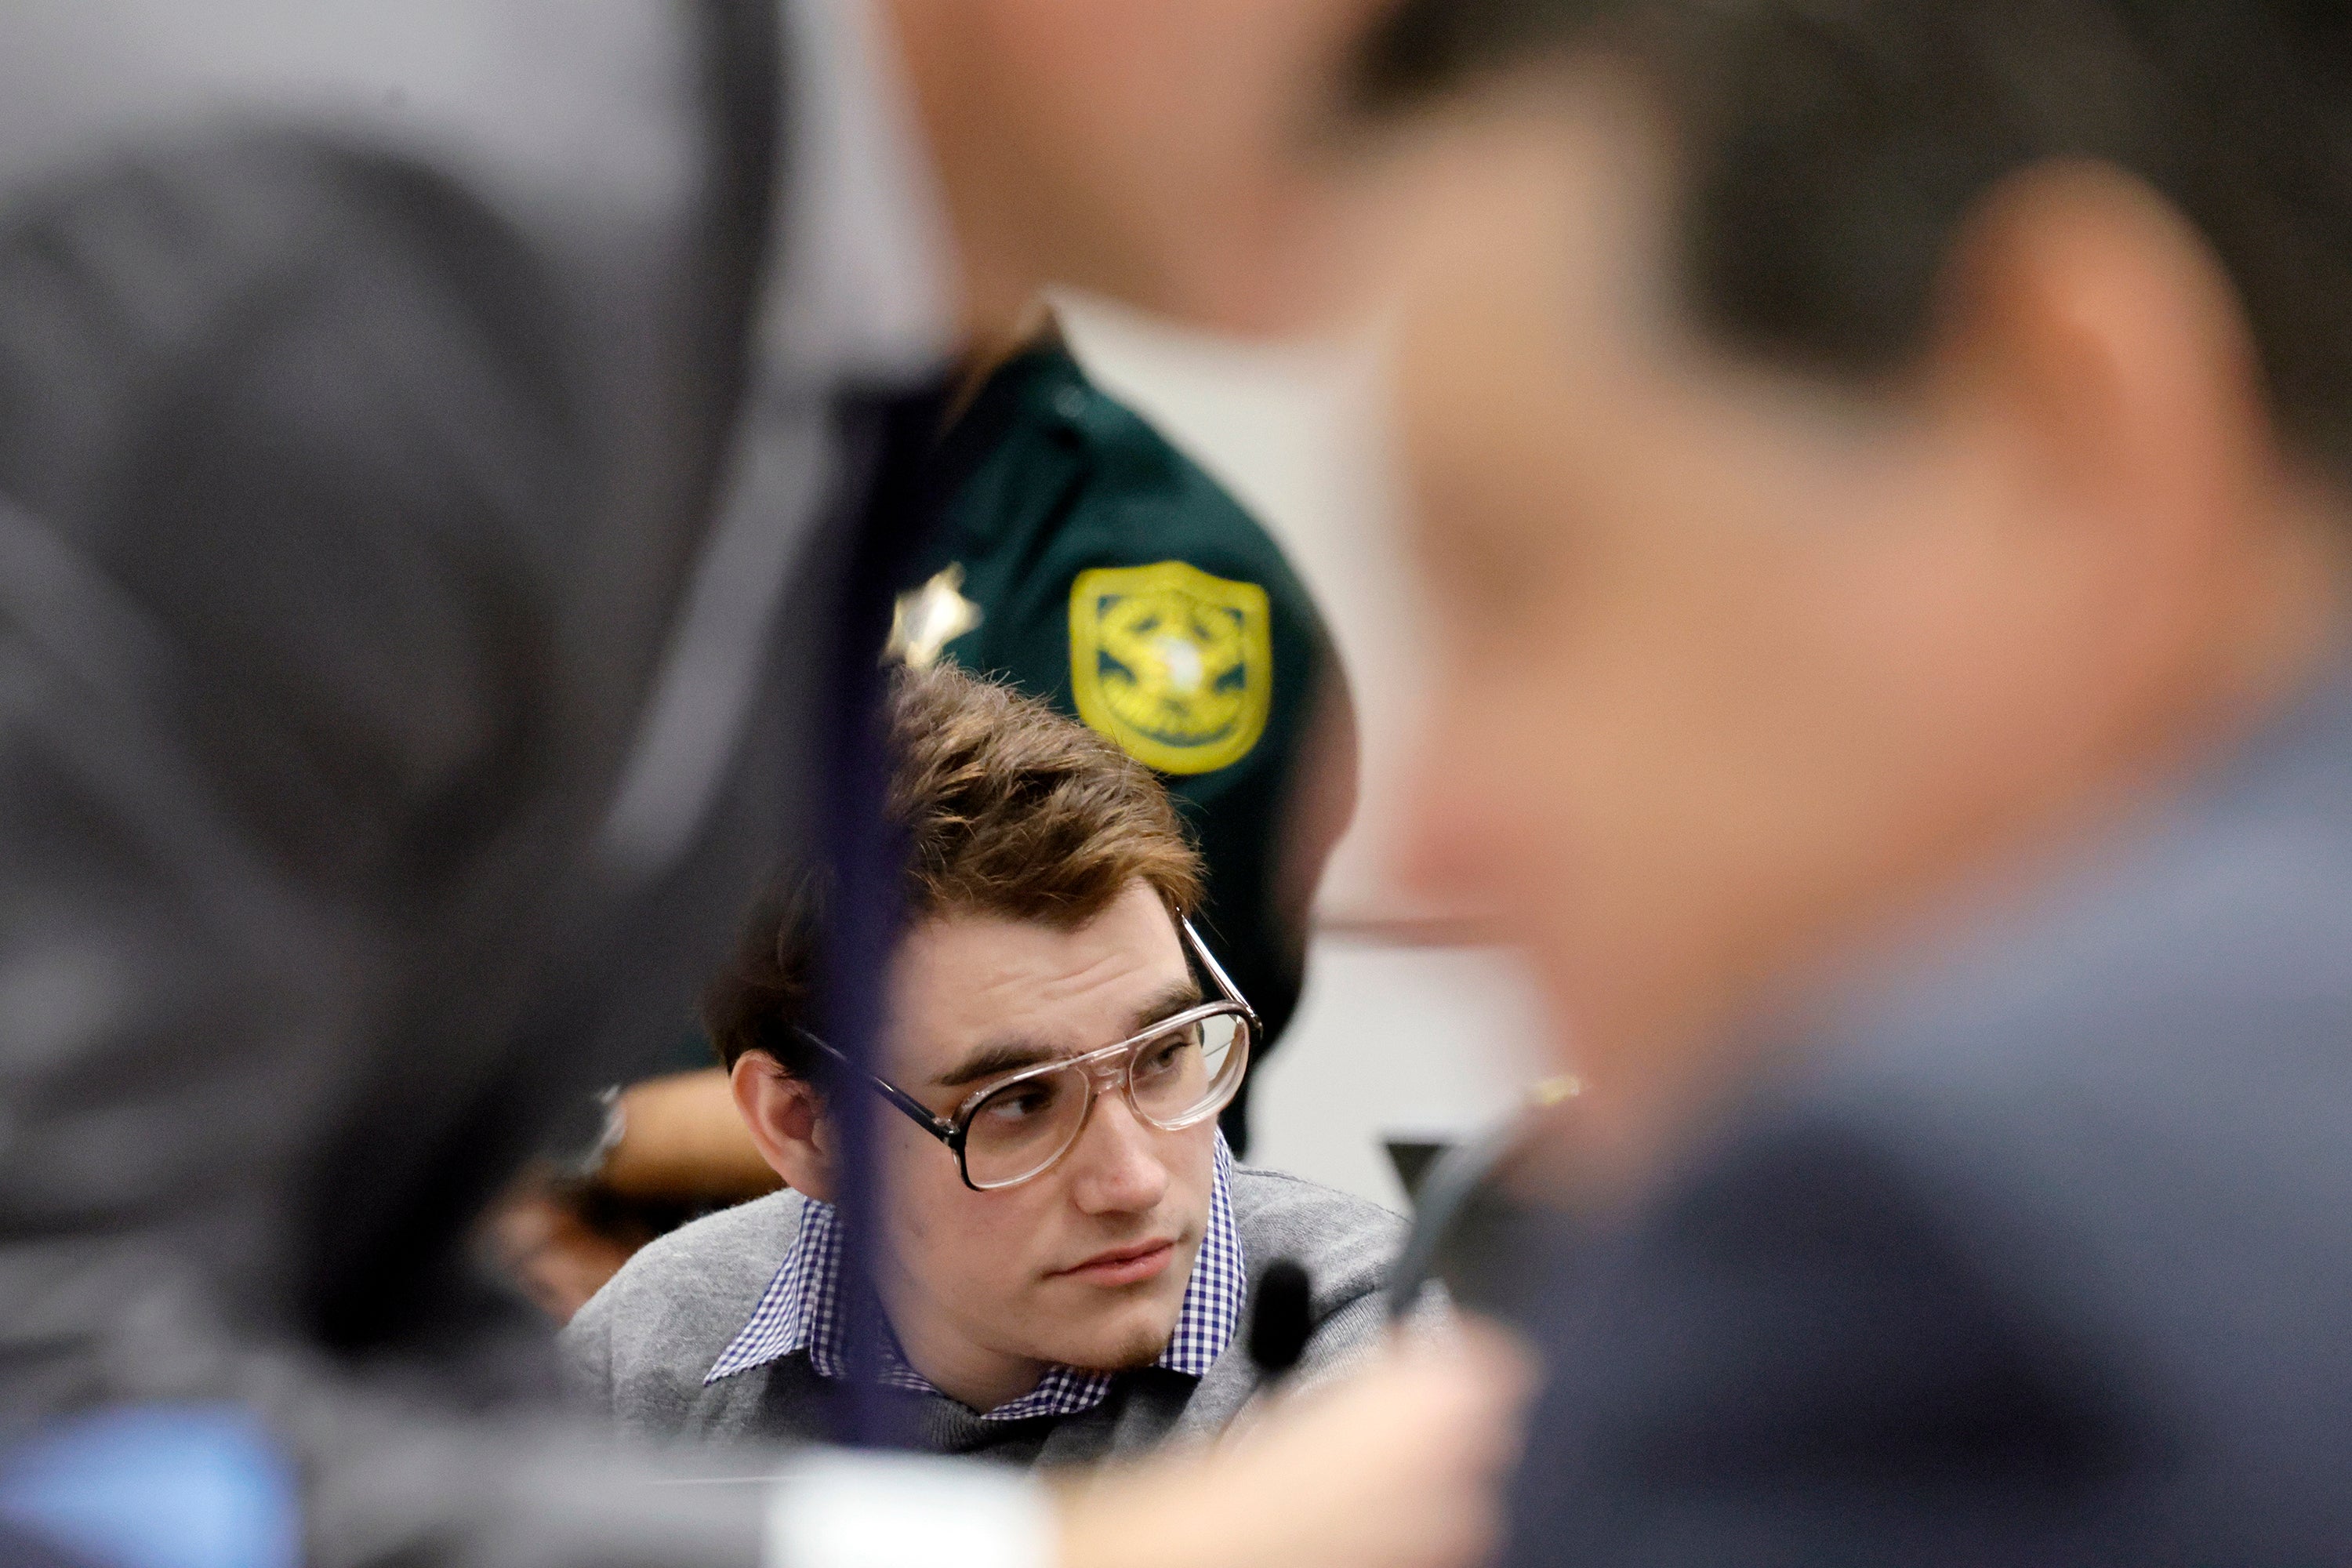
1174	665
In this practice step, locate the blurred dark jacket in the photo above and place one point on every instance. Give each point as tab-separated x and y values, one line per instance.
2047	1257
357	490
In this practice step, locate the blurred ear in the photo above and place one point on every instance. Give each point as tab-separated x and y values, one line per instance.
785	1116
2088	324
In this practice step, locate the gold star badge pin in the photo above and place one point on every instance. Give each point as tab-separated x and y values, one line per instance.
926	619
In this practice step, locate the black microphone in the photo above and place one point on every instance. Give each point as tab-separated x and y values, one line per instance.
1281	1318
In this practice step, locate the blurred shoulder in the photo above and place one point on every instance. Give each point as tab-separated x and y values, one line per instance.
670	1311
1141	487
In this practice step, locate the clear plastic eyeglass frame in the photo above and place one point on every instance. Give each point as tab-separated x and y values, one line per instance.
1094	1066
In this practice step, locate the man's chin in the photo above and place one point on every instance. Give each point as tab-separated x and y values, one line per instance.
1112	1330
1116	1344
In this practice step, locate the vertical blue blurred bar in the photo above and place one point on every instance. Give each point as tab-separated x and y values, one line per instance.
866	858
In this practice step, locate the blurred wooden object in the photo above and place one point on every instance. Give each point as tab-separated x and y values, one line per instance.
682	1141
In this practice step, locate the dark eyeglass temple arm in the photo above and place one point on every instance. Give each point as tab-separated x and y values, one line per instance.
915	1108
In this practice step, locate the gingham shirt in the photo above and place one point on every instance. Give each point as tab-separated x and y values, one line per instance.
800	1310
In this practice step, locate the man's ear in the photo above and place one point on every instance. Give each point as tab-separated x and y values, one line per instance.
2087	307
786	1118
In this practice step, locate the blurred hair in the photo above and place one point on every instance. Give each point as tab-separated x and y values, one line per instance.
1830	149
1008	808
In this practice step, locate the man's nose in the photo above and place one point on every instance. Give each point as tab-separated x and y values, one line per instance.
1116	1166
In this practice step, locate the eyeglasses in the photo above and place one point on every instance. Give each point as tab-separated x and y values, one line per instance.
1176	1074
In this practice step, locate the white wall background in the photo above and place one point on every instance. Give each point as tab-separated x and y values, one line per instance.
1393	1036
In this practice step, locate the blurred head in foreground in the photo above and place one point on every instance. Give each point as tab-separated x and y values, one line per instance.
1175	153
1863	445
1047	876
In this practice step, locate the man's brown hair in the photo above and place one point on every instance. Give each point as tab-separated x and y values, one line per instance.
1008	808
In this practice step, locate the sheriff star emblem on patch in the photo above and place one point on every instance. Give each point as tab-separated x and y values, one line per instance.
1174	665
924	620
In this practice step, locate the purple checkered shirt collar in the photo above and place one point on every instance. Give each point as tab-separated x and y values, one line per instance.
800	1310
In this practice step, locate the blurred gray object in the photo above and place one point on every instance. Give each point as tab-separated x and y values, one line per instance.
1411	1158
1481	1219
357	487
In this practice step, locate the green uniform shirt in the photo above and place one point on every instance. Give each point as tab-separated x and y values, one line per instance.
1117	581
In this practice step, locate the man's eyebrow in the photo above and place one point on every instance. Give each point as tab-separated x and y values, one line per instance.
1172	1000
994	1060
1011	1055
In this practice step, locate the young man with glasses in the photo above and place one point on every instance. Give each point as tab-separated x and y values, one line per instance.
1069	1241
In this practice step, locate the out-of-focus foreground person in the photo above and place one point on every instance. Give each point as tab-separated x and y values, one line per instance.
1888	480
398	505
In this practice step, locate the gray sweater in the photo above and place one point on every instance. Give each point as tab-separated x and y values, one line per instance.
639	1351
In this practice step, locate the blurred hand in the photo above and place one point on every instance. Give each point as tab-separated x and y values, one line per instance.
539	1235
1399	1465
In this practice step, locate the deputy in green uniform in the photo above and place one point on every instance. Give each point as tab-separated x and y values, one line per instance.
1081	557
